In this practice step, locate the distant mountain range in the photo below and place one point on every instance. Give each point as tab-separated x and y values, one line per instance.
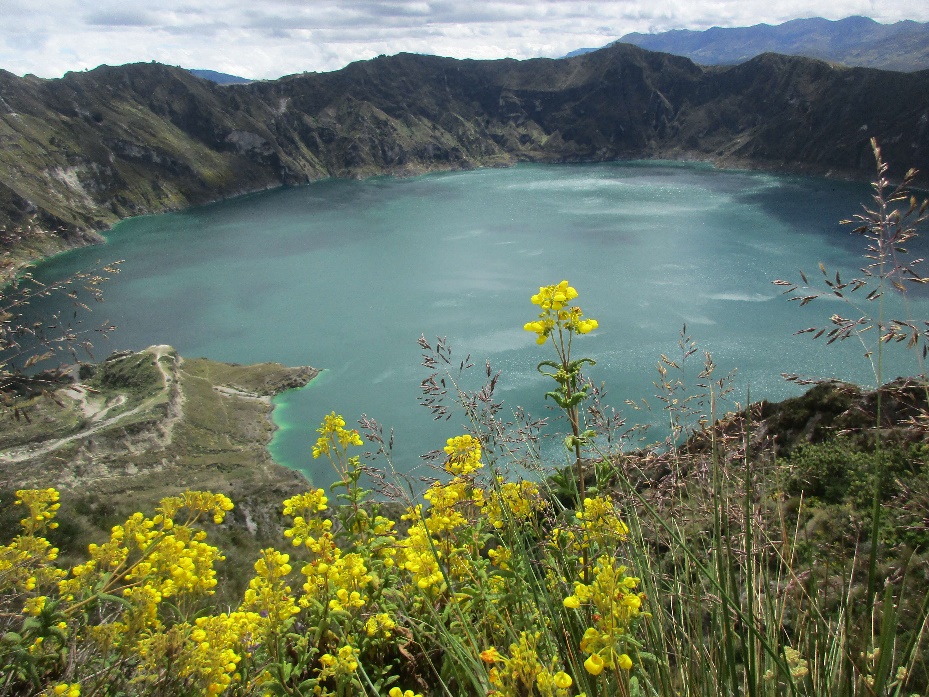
854	41
81	152
220	78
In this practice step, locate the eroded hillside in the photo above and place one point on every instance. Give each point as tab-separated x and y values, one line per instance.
81	152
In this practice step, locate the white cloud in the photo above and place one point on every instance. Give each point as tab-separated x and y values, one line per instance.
121	17
269	38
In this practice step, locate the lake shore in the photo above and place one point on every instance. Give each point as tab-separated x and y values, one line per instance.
45	244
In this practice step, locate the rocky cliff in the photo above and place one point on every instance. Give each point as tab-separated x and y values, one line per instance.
81	152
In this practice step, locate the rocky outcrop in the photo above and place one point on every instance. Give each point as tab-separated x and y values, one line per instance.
829	409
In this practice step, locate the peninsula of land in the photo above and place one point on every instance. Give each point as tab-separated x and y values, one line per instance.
141	426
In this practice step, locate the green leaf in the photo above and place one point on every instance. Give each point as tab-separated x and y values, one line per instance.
114	599
576	399
574	366
59	635
559	399
12	638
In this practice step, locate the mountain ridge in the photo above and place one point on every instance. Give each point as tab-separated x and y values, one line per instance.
86	150
852	41
219	78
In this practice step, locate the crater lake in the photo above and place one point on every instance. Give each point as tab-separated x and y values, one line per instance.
347	275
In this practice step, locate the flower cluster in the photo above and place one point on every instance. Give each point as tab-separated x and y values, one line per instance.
197	503
464	455
221	640
148	560
511	502
112	602
380	625
307	525
347	581
601	524
26	564
439	543
554	297
397	692
268	593
556	315
616	607
208	653
799	667
523	672
343	662
418	554
43	505
370	598
333	433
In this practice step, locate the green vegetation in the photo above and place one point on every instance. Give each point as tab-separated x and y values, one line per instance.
135	373
678	572
713	563
127	441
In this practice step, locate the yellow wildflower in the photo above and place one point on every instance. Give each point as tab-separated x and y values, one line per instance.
594	664
491	655
333	432
464	455
34	606
554	316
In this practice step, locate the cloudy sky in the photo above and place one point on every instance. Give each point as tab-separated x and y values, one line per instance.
270	38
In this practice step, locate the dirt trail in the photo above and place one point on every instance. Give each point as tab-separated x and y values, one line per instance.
170	388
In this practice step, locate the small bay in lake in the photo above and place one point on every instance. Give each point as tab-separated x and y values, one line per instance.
346	275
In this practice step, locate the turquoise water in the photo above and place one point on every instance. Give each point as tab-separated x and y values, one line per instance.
346	276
